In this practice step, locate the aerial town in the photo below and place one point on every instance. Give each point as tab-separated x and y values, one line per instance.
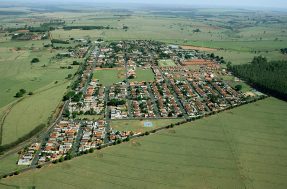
186	84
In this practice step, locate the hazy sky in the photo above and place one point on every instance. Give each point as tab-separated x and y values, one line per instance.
234	3
245	3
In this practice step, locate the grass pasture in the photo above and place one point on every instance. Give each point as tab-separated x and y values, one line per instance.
234	149
9	164
31	112
17	72
108	76
138	125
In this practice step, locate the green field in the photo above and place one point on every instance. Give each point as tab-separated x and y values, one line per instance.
108	77
168	62
17	72
143	75
138	125
9	164
31	112
234	149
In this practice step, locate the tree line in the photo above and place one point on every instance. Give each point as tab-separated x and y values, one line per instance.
87	27
269	77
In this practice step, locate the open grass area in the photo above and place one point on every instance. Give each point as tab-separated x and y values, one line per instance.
167	62
232	82
143	75
234	149
108	77
16	71
31	112
138	125
9	164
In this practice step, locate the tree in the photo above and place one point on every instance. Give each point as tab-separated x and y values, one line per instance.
269	77
35	60
91	150
18	95
238	87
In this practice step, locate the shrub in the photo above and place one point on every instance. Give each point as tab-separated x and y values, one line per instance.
35	60
91	150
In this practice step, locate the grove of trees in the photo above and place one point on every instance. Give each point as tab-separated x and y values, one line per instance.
269	77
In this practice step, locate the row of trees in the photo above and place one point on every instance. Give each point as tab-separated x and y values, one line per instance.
269	77
87	27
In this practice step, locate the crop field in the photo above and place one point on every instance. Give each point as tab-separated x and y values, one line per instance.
138	125
234	149
143	75
109	76
164	63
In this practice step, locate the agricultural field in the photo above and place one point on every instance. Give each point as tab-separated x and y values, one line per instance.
138	125
108	76
234	149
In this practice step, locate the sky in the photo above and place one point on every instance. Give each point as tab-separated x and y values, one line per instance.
235	3
224	3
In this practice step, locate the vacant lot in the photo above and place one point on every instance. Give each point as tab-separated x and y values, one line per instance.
167	62
138	125
108	77
234	149
143	75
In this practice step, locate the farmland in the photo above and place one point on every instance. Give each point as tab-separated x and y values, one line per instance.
234	149
16	72
31	112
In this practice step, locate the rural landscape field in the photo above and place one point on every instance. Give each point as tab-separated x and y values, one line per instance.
97	94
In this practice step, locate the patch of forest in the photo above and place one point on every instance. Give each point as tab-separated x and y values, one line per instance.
268	77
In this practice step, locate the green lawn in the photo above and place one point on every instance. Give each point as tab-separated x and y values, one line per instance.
168	62
138	125
108	77
234	149
143	75
31	112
